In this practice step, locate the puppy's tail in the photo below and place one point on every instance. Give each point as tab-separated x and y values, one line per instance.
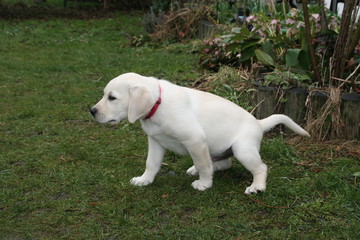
270	122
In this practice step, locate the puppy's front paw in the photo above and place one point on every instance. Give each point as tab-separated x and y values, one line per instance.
201	185
192	171
255	189
140	181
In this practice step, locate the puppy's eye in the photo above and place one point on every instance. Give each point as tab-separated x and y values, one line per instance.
111	98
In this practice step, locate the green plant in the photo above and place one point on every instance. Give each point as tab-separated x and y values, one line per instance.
284	78
140	40
276	41
287	34
225	12
290	74
234	49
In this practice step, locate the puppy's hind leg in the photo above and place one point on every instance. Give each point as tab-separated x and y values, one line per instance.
218	166
222	165
248	155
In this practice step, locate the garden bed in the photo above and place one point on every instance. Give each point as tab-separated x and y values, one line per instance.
304	108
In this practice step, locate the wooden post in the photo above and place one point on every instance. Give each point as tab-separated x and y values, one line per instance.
294	106
350	116
106	4
267	100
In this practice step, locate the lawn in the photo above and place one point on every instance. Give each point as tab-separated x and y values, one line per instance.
64	176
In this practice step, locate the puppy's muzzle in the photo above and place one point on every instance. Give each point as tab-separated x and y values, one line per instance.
93	111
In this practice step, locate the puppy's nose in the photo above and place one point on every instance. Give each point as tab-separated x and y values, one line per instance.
93	111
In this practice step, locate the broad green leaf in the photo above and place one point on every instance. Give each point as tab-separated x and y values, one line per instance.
292	57
304	60
250	43
248	53
264	58
267	47
233	47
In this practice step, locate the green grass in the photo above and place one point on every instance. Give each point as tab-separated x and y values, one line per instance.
64	176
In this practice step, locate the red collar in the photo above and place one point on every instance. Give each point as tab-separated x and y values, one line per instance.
155	107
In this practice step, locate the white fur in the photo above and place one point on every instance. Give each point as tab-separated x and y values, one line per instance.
191	122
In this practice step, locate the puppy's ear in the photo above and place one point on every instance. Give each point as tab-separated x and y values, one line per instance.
140	102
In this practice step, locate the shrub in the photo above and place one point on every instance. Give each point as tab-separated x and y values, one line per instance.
176	21
275	41
156	15
180	24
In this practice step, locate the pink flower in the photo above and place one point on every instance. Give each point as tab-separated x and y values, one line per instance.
290	21
206	50
251	18
217	40
300	25
262	34
293	12
315	17
274	22
291	32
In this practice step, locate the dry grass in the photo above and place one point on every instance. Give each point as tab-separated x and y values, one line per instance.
239	79
316	125
182	23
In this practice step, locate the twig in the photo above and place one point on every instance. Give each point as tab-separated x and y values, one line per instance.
340	79
184	11
264	203
352	74
347	80
252	111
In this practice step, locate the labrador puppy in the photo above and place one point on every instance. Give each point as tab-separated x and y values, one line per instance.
209	128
